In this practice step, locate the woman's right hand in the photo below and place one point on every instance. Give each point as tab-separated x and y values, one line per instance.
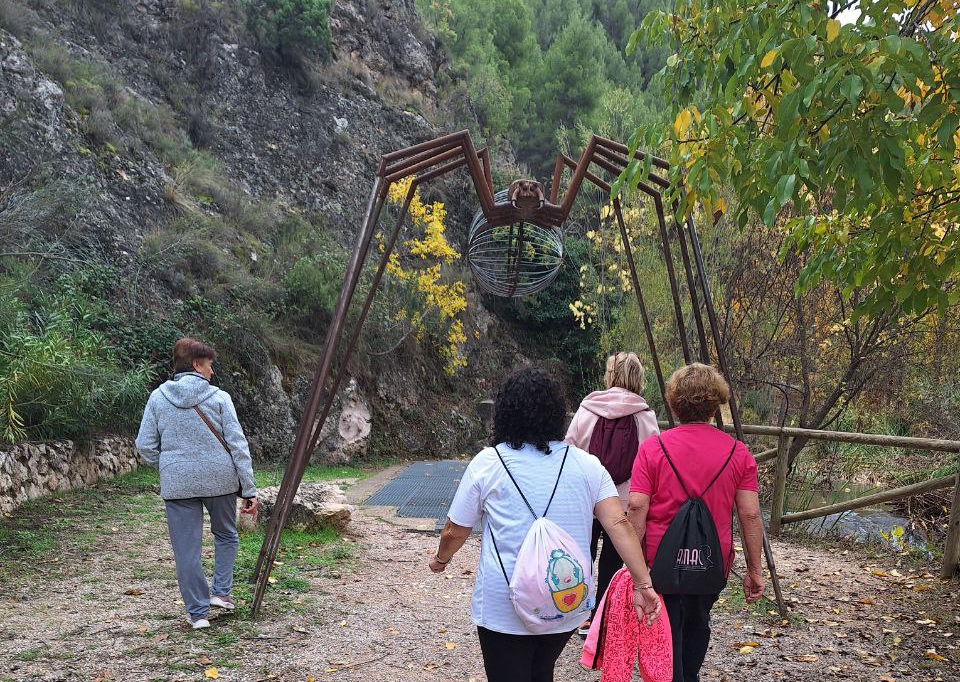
647	603
752	586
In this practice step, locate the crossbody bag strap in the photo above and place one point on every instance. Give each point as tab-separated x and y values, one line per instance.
212	430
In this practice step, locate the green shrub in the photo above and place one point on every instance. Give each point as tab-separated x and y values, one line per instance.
313	286
59	376
295	30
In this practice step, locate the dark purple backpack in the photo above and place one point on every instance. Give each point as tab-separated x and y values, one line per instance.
615	443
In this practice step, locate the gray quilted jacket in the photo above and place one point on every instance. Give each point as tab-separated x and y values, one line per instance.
192	462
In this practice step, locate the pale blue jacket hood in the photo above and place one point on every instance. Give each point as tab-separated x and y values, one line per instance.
187	389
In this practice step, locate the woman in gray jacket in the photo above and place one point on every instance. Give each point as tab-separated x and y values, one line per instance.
190	430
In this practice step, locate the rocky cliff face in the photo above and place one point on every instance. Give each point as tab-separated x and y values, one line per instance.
163	81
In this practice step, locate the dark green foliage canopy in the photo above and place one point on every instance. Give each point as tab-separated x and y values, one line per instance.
295	29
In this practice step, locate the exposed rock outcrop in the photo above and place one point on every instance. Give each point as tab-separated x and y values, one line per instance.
316	506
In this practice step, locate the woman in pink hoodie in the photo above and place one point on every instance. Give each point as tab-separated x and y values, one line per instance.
611	424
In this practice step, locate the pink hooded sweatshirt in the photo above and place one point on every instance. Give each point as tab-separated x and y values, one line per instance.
612	403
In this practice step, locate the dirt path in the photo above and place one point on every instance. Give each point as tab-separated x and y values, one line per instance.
105	607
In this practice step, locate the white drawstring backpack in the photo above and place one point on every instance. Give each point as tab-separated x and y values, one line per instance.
550	587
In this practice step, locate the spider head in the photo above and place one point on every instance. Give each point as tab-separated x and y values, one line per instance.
526	195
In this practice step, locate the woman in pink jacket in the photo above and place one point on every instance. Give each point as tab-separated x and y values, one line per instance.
611	424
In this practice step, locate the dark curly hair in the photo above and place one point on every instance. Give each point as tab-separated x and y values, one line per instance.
530	409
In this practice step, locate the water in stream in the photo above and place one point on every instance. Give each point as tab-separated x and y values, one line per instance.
876	524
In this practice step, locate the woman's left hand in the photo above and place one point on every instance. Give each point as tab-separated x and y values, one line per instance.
647	603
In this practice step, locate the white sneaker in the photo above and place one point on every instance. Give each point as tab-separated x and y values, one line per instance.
200	623
223	602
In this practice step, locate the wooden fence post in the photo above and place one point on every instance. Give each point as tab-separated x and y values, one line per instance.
951	551
779	485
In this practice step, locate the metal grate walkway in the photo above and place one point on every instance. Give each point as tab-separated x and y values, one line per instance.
423	490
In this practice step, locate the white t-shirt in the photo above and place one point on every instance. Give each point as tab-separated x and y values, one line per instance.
486	493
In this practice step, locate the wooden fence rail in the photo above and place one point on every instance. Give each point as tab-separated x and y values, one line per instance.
951	552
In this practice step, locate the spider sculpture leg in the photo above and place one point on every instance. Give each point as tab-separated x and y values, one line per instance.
598	152
424	162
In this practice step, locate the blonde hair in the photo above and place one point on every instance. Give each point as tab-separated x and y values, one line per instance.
624	370
696	392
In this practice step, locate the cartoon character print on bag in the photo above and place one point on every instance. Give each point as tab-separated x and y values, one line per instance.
565	579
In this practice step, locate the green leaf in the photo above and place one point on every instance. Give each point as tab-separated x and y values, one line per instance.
785	188
948	128
851	87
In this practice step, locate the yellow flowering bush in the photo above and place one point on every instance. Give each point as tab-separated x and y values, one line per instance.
425	257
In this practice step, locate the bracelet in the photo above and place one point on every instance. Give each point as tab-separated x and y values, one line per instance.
642	587
436	558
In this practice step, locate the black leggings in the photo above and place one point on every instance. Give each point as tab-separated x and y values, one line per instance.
690	627
610	561
520	658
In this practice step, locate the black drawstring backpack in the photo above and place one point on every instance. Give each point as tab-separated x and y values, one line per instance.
688	560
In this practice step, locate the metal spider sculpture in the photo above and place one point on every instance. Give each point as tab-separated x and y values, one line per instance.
515	248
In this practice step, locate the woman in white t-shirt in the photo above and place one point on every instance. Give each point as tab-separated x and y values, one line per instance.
529	421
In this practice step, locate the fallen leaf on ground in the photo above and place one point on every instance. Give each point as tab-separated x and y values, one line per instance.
211	673
203	660
807	658
451	646
933	655
746	649
311	678
134	591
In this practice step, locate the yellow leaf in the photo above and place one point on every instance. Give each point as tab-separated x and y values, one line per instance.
311	678
211	673
807	658
934	656
682	122
768	59
746	649
451	646
833	30
720	208
271	580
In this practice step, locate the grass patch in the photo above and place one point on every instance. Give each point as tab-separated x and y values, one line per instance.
32	654
76	524
314	474
23	543
732	600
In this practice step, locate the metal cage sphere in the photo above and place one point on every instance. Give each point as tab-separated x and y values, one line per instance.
513	260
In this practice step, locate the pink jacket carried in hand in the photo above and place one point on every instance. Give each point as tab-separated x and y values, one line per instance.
617	638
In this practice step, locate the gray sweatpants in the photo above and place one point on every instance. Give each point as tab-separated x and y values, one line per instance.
185	521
